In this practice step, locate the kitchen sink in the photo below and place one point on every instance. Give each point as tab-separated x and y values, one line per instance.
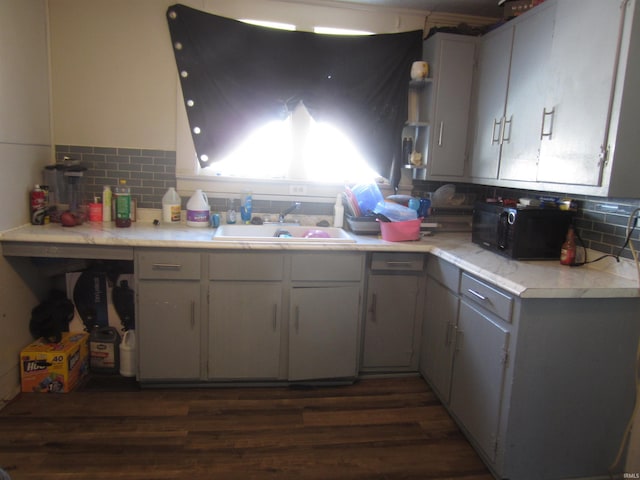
282	233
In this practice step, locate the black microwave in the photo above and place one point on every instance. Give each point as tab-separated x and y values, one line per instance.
521	233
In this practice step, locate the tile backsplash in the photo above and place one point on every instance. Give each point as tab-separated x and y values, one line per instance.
149	173
600	222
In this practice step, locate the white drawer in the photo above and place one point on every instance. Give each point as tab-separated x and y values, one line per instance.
338	266
403	262
246	266
168	264
487	296
444	272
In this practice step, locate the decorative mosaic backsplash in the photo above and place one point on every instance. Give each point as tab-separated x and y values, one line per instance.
600	222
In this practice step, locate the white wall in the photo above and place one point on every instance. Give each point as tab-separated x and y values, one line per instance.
113	72
24	150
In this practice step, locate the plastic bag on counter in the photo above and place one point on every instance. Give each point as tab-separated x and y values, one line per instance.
395	212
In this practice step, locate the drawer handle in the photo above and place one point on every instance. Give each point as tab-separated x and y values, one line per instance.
398	264
166	266
476	294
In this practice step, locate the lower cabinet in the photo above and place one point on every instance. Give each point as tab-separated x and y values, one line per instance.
168	315
465	345
542	387
481	346
244	330
323	332
245	315
440	320
324	316
395	294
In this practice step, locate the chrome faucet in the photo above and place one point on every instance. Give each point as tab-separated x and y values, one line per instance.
284	213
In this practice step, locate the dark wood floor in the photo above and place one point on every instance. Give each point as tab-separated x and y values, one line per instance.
373	430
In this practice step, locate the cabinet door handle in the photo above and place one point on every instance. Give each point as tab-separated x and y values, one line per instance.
459	338
374	307
546	114
440	134
495	140
296	321
447	337
506	122
476	294
166	266
193	314
275	317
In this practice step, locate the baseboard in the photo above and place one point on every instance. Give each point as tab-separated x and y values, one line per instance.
9	385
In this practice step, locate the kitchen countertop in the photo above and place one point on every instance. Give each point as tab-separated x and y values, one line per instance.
526	279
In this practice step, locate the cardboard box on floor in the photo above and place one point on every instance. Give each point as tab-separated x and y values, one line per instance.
54	367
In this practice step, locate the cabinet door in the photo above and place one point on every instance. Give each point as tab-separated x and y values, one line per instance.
478	375
169	329
390	321
440	318
244	329
493	79
526	94
582	74
453	74
323	332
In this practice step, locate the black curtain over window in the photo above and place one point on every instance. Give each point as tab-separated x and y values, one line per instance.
236	77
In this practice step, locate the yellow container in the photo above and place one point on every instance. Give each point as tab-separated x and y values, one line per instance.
54	367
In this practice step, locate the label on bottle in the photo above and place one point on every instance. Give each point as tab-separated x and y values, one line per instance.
198	216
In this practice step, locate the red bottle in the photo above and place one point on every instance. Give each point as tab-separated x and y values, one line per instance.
568	250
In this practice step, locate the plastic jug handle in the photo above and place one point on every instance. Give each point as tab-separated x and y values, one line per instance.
204	195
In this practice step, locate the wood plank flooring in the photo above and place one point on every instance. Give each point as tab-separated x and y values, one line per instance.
376	429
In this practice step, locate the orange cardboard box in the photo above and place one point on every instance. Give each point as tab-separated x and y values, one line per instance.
54	367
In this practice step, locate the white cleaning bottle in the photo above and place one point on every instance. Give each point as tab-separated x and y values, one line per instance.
338	212
198	210
171	206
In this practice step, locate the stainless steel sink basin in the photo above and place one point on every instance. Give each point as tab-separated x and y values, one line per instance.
282	233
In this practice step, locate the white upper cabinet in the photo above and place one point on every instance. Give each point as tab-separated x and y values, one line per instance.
582	69
492	80
525	95
569	100
446	102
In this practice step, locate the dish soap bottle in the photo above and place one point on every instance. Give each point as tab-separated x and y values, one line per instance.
123	204
231	213
568	250
338	212
171	206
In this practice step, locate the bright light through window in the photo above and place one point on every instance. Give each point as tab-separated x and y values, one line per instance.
331	157
266	23
265	154
339	31
299	149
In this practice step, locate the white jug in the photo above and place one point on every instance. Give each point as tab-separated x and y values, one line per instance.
198	210
128	363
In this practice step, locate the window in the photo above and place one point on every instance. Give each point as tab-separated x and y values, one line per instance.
295	151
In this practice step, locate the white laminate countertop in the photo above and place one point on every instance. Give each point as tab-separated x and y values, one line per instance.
526	279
